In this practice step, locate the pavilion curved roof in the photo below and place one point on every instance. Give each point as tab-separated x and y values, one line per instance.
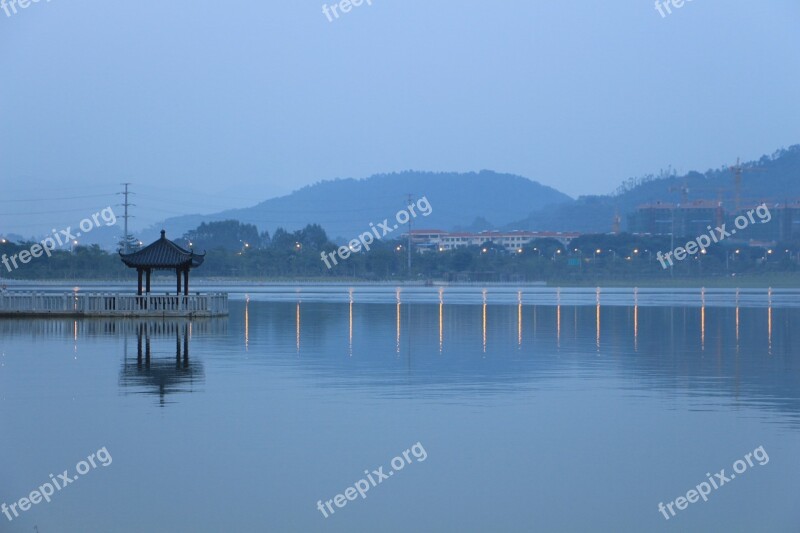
162	254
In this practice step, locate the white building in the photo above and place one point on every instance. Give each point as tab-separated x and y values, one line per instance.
433	239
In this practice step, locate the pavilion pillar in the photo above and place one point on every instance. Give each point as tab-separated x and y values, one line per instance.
178	271
186	281
139	290
147	286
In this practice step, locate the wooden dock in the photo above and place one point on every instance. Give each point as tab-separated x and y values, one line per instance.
75	304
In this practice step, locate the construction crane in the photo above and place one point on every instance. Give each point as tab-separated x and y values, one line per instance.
737	181
684	190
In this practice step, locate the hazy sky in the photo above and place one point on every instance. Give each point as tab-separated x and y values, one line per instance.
221	104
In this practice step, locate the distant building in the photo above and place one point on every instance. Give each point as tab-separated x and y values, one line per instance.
439	240
663	218
654	219
783	226
694	218
788	216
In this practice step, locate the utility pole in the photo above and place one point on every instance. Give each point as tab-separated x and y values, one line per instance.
126	204
410	201
672	241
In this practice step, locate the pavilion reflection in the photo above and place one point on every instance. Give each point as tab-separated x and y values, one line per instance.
152	373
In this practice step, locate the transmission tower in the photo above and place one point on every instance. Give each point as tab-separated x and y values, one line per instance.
126	238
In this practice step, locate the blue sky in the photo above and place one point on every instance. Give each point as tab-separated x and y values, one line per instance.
209	105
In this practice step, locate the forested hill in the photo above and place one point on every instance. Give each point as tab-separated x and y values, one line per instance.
774	178
345	207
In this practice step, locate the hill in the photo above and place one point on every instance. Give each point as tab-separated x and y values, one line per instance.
346	207
771	179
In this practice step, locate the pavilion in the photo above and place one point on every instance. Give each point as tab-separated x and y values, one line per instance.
163	254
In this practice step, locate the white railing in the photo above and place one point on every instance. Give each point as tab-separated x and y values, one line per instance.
110	304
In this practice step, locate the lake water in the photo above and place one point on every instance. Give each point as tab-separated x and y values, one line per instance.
534	409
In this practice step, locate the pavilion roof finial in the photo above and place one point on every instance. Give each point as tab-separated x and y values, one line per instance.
163	234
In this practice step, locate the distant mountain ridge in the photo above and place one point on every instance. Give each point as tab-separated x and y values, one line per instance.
489	200
346	207
771	179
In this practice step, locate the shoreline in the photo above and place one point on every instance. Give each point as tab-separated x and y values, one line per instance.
783	281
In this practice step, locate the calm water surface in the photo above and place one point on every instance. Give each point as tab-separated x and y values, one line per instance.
539	410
